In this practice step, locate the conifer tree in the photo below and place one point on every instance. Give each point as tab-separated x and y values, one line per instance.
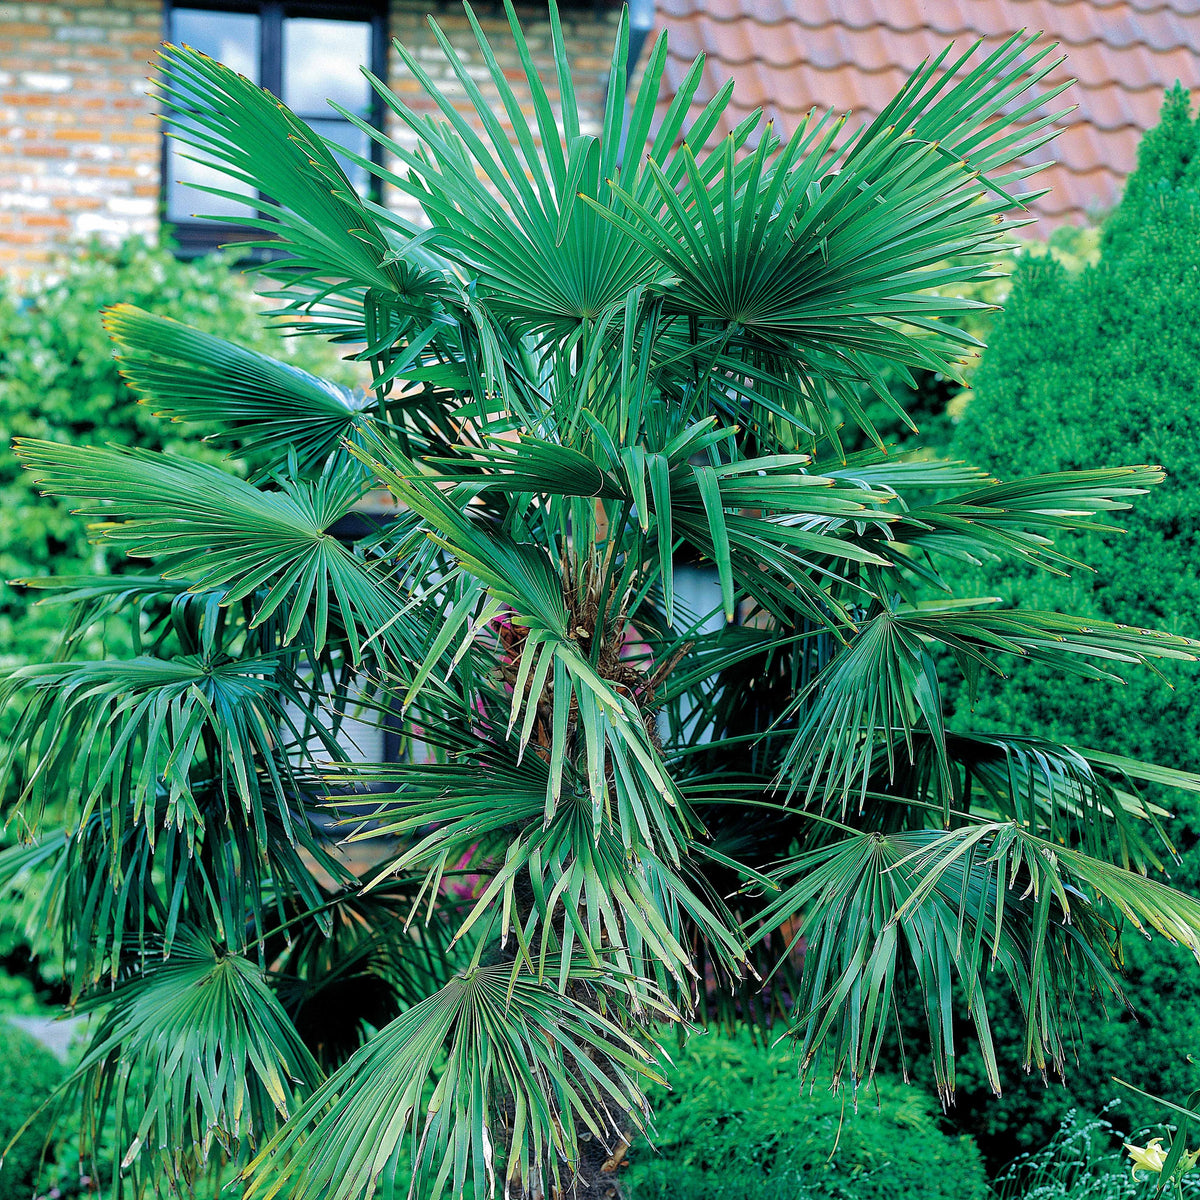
1089	367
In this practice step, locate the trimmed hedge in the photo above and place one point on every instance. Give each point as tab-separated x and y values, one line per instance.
28	1074
737	1125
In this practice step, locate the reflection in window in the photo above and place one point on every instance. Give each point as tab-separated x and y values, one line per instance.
231	37
321	61
353	138
305	60
234	39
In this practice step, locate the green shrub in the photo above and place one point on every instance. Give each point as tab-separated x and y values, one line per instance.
28	1074
929	398
935	402
737	1124
1103	366
17	994
1095	367
58	380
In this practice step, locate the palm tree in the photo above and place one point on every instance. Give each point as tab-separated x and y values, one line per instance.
616	811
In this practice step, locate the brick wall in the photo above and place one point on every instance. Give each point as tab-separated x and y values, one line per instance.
79	139
79	145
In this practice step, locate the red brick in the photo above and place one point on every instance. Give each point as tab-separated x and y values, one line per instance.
30	99
18	29
44	150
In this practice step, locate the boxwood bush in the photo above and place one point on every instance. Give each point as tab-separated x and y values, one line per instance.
737	1125
1090	367
28	1074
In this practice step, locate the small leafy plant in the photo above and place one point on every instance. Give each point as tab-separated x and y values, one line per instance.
1083	1161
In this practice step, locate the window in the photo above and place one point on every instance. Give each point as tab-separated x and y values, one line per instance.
305	54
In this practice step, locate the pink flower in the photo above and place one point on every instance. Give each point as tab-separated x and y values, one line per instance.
465	887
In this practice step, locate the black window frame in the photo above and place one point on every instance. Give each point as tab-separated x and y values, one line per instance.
194	237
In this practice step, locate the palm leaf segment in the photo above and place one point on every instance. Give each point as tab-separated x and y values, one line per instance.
213	1060
252	399
605	351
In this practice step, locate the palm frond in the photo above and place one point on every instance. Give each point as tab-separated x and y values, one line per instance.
106	889
589	894
1016	520
125	734
525	1070
216	530
247	134
942	908
267	408
831	249
884	686
524	204
195	1059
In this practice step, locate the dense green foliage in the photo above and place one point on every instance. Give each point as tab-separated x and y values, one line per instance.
934	401
28	1077
59	380
660	794
17	993
739	1125
1086	367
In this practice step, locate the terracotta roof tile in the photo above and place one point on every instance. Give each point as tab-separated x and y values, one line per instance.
790	55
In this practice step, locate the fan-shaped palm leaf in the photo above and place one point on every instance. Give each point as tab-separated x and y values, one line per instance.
250	399
125	734
557	1060
197	1056
216	530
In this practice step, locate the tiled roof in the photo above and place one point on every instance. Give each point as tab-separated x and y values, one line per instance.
789	55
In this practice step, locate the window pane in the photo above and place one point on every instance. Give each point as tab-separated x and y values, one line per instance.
183	202
352	138
321	61
232	38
